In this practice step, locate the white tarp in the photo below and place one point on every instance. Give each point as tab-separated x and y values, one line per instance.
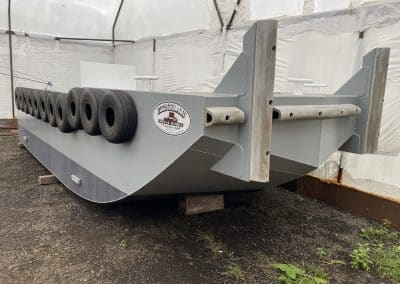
71	18
5	84
374	174
151	18
326	48
389	140
44	60
107	76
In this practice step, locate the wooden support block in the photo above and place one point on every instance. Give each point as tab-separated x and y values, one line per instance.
195	204
20	145
46	180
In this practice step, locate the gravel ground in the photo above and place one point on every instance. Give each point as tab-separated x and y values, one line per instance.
49	235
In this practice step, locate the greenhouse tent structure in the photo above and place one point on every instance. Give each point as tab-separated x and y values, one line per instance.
192	51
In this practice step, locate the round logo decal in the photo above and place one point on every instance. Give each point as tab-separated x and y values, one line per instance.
171	118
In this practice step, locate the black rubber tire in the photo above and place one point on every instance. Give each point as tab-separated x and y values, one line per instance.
24	100
61	114
35	103
89	110
17	95
19	100
42	105
117	117
50	108
30	101
74	106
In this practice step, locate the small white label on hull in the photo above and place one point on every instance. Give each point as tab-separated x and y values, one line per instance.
76	179
171	118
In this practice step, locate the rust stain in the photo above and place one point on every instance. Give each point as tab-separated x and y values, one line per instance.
355	200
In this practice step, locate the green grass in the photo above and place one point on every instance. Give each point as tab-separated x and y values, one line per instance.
360	257
235	272
213	244
123	244
381	254
293	274
379	233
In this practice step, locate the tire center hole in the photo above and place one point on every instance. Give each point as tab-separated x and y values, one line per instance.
73	109
51	109
43	106
110	116
88	111
60	114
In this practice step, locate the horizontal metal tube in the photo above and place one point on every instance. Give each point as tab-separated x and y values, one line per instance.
93	39
314	111
224	115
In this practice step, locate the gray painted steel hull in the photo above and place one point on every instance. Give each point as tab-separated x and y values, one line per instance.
252	154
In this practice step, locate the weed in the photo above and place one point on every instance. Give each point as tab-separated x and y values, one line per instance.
321	253
123	244
262	260
381	232
383	255
326	254
388	262
211	243
316	271
291	274
360	258
299	198
234	271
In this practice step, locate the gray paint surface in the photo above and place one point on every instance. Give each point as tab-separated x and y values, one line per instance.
217	158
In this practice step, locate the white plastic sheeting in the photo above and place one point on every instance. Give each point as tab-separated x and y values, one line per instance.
141	19
148	18
5	87
259	9
389	36
326	48
374	174
73	18
107	76
44	60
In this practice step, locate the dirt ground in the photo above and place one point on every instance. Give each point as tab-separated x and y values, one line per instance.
49	235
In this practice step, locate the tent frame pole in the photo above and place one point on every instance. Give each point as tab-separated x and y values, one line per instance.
115	22
11	58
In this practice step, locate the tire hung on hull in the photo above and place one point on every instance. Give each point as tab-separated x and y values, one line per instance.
74	106
42	105
35	103
25	100
17	96
89	110
30	101
51	107
117	116
61	114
